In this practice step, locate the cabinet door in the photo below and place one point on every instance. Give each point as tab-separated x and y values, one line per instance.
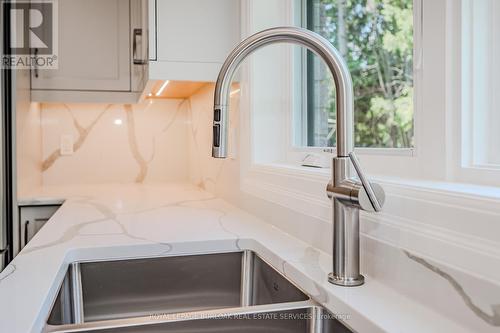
93	47
194	37
32	219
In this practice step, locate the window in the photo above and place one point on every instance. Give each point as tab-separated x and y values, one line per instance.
376	39
453	135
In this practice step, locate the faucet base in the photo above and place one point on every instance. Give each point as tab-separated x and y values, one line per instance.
346	282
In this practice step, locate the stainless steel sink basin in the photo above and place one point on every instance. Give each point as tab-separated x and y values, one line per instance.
96	291
223	292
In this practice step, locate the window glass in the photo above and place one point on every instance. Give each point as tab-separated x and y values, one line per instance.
375	37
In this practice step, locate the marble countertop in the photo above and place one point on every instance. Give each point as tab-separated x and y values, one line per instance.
123	221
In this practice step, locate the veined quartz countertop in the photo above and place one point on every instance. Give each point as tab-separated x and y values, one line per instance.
123	221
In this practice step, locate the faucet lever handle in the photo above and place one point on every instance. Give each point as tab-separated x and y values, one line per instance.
377	206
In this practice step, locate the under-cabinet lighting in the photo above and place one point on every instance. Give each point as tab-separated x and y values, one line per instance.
234	92
118	122
162	88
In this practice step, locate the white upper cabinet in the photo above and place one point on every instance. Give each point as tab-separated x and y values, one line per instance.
99	41
93	55
193	38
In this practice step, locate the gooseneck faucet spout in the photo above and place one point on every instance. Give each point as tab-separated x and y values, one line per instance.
305	38
348	194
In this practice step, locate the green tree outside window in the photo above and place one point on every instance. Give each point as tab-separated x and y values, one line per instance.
375	37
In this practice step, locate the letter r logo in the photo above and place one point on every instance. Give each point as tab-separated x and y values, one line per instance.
31	27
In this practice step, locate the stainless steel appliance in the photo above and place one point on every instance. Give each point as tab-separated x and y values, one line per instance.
14	90
3	226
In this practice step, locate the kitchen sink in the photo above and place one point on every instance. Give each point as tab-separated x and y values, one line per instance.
223	292
139	287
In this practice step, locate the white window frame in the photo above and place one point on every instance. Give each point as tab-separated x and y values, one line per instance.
423	161
462	98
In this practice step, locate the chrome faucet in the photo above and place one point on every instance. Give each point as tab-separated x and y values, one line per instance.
348	194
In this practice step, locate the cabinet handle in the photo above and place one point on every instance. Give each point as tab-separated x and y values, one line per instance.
138	33
36	66
26	233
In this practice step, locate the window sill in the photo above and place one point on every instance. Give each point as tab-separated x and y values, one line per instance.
363	151
288	185
450	188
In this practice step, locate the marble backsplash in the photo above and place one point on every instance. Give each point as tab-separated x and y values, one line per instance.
28	137
156	140
115	143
